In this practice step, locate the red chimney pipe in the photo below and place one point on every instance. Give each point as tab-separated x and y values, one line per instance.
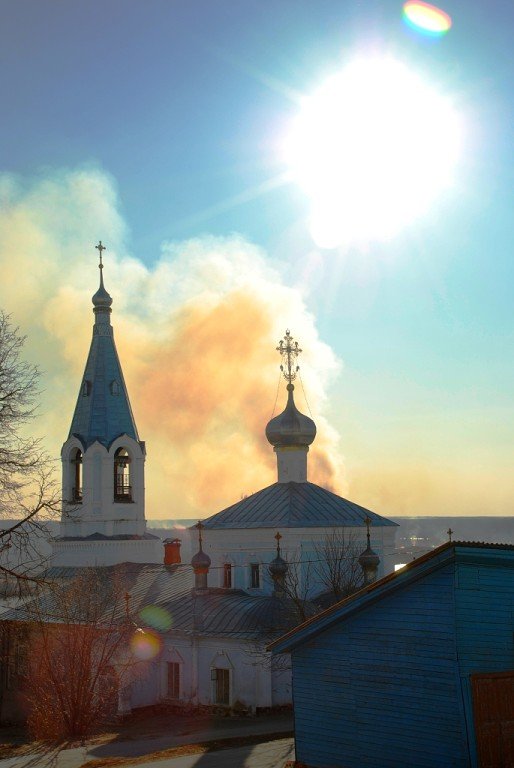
172	551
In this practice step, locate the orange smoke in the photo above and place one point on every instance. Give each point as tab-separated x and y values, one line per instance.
196	333
205	394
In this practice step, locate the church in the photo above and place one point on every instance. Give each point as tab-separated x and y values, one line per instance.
256	569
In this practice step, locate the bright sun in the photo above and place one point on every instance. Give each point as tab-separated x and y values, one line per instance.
372	148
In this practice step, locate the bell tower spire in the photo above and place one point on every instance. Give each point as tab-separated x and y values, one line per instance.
103	459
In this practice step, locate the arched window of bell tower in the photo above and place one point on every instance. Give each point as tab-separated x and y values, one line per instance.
122	483
76	476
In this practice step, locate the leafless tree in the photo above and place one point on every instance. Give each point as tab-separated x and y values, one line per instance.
28	493
298	586
79	656
330	573
336	564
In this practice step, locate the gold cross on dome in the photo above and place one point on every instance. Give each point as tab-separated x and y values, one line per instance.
278	536
100	248
289	352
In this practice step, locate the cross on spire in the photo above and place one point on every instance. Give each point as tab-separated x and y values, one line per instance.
200	526
100	248
289	352
450	532
367	521
278	536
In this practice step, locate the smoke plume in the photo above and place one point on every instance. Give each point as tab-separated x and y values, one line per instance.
196	333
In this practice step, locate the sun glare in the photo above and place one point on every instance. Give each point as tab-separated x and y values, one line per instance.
372	148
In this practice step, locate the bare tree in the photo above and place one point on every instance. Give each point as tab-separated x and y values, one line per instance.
337	564
330	573
298	585
28	494
79	656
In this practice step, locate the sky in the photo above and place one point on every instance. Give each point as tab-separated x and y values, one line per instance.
159	128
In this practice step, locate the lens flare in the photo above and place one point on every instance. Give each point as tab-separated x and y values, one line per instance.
426	18
145	644
156	617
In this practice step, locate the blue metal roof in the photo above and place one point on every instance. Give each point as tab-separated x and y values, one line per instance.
294	505
103	409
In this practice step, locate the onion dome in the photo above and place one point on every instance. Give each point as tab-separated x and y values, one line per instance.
369	559
101	298
201	560
290	428
278	568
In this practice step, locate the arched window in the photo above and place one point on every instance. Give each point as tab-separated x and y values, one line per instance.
122	486
76	476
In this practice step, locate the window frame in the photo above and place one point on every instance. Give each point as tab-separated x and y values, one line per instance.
221	682
173	674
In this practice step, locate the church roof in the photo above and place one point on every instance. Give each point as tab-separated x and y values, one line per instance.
294	505
223	612
103	409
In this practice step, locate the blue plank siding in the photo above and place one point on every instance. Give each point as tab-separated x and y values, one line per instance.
484	621
382	688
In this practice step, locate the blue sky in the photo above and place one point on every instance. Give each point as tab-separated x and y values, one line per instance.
182	104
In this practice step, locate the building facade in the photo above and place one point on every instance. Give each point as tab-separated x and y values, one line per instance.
414	671
232	598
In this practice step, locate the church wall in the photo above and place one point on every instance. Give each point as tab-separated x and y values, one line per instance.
101	553
244	546
252	685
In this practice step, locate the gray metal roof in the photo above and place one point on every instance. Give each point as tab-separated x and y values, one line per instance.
294	505
221	612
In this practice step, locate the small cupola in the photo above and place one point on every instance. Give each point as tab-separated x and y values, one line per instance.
291	432
369	560
278	570
201	561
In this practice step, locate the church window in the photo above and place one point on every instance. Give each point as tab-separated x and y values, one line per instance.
255	580
221	686
86	388
114	387
227	575
173	680
76	489
122	486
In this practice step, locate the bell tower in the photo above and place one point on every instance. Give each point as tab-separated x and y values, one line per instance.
103	461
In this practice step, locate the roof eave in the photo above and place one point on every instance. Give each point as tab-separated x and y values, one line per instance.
363	598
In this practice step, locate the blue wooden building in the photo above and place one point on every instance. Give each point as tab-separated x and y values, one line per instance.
415	670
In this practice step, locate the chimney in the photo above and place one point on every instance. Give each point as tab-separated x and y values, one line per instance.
172	551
